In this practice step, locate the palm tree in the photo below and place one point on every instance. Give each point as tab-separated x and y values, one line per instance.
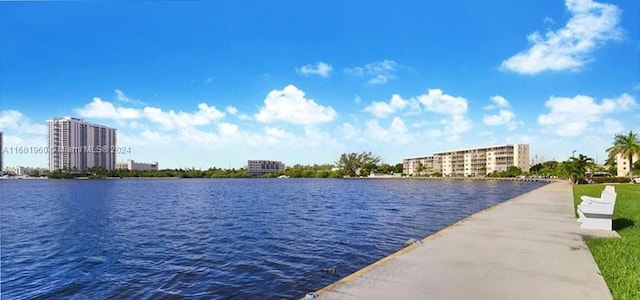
576	167
625	146
420	169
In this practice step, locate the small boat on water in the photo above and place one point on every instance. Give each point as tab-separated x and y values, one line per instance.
283	176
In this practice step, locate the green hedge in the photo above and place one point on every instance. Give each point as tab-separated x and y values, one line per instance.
610	179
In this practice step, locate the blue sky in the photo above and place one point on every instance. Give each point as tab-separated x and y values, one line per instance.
214	83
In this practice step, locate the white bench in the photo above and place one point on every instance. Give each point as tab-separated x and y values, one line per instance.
597	214
604	196
607	195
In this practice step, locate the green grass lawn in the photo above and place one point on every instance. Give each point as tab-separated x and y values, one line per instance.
618	259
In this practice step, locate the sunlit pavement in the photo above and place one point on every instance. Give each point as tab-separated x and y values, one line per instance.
530	247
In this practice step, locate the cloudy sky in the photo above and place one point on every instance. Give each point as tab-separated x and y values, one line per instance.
214	83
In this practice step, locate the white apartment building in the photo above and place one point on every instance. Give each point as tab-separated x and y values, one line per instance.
470	162
424	165
261	167
132	165
23	171
75	144
623	164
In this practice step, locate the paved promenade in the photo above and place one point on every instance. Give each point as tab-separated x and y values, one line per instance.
529	247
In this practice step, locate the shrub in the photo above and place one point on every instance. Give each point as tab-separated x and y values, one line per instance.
610	179
583	181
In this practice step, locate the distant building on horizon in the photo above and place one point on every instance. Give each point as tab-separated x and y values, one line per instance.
25	171
261	167
75	144
470	162
133	165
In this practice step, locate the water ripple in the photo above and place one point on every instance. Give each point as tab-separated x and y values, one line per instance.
174	239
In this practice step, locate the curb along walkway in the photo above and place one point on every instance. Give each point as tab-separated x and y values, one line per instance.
529	247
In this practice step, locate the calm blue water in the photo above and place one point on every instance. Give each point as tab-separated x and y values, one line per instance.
218	238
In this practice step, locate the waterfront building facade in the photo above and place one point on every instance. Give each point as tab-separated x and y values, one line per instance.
261	167
623	164
470	162
25	171
133	165
75	144
425	165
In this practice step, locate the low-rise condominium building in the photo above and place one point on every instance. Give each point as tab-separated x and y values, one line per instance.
133	165
261	167
470	162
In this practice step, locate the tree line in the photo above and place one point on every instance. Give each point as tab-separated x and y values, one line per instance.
575	168
347	165
365	163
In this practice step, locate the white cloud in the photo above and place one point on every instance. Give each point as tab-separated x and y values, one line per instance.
572	116
155	136
502	118
349	132
380	79
138	139
436	101
274	135
320	68
228	129
382	109
101	109
122	97
315	137
591	25
622	103
548	20
232	110
191	136
171	119
14	122
18	131
505	115
224	134
456	125
10	119
290	105
244	117
379	72
452	108
433	133
396	133
613	126
498	102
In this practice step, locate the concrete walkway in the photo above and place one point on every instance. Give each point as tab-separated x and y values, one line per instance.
530	247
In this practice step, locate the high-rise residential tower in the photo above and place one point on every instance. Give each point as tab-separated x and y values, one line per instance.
75	144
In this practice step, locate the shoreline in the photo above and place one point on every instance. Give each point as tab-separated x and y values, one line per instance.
406	249
548	180
491	253
462	178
